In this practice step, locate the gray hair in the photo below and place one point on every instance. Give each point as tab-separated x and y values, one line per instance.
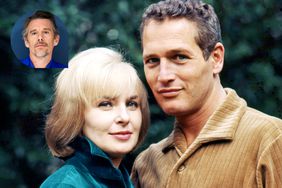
209	32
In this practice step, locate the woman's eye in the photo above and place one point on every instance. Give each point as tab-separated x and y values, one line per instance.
105	105
133	105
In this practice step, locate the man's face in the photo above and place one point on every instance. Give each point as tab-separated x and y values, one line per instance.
40	38
175	69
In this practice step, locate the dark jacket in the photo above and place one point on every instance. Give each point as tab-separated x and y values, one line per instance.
89	167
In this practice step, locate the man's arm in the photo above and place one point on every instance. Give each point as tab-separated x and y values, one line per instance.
134	176
269	171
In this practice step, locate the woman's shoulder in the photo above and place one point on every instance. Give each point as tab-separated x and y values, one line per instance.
68	176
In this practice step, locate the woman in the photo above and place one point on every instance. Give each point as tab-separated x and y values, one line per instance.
100	114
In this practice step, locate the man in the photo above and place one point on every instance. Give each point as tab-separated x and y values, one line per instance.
41	36
217	141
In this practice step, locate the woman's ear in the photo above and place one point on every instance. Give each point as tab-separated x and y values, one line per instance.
217	58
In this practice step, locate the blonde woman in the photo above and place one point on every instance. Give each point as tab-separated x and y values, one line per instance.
100	114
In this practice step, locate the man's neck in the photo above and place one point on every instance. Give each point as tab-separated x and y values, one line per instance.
192	124
40	62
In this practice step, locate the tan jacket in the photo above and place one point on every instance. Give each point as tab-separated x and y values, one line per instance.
238	147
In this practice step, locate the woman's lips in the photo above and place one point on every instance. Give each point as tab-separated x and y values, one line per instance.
122	135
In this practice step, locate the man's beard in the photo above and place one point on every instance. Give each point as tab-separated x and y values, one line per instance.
41	53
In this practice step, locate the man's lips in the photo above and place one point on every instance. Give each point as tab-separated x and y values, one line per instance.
122	135
169	92
41	45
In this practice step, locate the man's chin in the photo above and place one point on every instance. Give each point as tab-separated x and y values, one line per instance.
171	111
175	110
41	54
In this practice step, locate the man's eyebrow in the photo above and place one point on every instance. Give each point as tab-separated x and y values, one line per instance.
169	52
148	56
32	30
47	29
180	50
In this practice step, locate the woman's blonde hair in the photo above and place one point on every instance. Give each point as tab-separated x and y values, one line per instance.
92	74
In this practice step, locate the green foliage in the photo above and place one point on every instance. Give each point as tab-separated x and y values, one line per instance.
252	35
253	41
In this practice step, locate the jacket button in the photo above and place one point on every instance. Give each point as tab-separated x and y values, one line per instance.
181	168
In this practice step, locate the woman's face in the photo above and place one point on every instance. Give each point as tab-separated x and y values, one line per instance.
113	124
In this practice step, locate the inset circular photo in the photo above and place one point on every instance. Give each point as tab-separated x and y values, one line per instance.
39	39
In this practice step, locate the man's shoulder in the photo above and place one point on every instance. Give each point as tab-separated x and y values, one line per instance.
262	120
264	128
55	64
60	65
27	62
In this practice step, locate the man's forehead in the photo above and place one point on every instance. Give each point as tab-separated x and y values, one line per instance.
43	29
40	23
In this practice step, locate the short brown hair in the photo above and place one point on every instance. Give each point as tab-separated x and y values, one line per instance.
202	14
92	74
40	14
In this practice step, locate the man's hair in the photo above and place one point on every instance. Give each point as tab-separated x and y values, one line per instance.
92	74
202	14
40	14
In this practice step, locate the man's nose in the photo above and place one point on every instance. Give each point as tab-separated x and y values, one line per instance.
122	116
40	38
166	74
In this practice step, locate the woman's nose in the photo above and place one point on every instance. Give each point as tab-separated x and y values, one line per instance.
122	115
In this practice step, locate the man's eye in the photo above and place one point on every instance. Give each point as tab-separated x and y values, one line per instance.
105	105
180	57
33	33
152	61
46	32
132	105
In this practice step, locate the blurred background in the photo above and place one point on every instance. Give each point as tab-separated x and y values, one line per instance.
252	35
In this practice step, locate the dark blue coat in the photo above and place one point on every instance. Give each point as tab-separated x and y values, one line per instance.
89	167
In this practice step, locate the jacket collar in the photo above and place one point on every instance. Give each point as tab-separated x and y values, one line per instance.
27	61
222	125
97	161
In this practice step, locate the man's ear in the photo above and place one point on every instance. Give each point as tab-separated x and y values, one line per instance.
56	40
26	42
217	58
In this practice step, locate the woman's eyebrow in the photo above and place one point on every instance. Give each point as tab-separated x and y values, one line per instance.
133	97
107	98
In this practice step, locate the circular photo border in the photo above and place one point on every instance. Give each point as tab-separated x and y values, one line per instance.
60	52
